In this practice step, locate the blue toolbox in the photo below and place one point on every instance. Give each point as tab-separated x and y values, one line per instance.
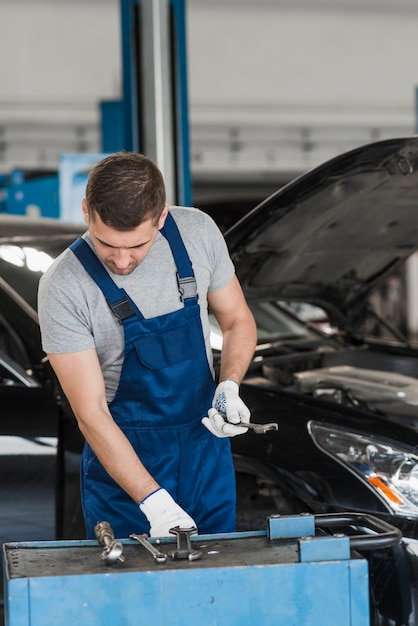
298	571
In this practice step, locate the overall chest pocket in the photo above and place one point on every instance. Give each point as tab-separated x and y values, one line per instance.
169	347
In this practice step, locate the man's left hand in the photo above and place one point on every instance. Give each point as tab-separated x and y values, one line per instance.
227	403
217	425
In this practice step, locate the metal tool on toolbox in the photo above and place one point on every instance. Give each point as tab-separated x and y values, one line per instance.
112	547
159	557
260	429
184	547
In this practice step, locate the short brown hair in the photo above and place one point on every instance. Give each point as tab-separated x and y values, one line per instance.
125	189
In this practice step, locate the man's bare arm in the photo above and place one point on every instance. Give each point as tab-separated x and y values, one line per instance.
238	328
82	381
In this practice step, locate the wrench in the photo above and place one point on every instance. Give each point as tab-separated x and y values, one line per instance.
260	429
112	548
159	557
184	547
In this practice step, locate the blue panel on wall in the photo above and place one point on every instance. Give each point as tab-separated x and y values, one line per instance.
30	193
74	170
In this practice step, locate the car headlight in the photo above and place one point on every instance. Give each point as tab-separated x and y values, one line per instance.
387	467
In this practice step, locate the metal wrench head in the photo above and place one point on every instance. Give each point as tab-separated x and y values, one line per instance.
184	547
260	429
159	557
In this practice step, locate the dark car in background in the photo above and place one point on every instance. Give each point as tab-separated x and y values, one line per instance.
346	404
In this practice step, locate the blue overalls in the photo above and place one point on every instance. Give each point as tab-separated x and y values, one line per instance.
165	389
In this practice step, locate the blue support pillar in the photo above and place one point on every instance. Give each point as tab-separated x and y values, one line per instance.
152	116
129	10
182	110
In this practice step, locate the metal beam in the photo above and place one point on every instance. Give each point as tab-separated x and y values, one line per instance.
155	98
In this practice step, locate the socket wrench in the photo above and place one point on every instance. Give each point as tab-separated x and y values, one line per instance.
112	547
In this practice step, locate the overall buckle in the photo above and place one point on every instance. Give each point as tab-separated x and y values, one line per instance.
187	287
121	309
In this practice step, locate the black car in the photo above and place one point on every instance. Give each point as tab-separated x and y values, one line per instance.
346	404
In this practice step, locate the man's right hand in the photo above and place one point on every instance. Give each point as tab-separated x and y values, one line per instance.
164	513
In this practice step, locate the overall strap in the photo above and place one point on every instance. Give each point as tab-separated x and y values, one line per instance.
119	301
185	276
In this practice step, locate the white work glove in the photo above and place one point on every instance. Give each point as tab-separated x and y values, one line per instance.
227	410
216	424
228	403
164	513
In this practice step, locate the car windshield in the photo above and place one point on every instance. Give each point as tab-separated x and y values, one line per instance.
21	266
273	324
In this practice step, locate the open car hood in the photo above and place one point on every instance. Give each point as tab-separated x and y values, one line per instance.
334	234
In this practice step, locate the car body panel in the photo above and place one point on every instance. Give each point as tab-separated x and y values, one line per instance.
332	235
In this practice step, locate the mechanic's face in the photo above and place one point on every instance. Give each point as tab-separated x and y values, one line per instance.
122	251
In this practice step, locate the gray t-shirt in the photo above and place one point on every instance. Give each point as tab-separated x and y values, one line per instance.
74	315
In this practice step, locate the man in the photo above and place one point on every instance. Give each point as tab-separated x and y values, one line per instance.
124	321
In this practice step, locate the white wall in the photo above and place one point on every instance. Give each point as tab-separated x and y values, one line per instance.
304	52
272	83
59	50
300	79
